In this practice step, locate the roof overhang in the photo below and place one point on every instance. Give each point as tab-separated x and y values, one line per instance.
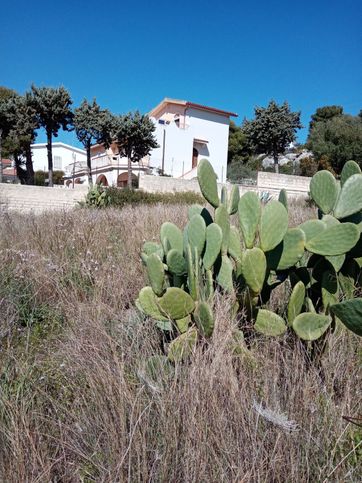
201	107
187	104
200	141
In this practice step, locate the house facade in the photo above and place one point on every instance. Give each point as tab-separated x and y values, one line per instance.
9	171
63	155
185	132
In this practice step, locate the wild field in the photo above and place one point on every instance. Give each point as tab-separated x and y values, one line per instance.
76	404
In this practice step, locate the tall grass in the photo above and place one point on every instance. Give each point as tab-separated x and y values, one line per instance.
77	403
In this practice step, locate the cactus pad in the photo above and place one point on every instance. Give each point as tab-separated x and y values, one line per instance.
283	198
234	248
183	324
254	269
312	228
337	261
350	197
176	262
204	318
330	220
225	275
324	190
309	326
329	288
213	245
233	200
151	247
196	232
207	182
183	346
273	225
288	252
173	235
199	210
349	169
222	218
335	240
148	302
156	274
296	301
176	303
350	314
249	216
269	323
191	274
224	196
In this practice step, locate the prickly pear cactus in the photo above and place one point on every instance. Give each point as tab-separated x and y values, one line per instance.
319	261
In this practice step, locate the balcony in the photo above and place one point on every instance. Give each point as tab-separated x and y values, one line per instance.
104	161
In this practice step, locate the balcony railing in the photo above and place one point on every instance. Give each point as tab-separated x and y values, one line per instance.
103	161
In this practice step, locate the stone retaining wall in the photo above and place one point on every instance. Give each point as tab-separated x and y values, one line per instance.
39	198
270	182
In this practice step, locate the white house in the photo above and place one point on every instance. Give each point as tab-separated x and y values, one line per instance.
63	155
186	132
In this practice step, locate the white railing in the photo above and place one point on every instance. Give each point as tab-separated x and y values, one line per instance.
116	161
105	160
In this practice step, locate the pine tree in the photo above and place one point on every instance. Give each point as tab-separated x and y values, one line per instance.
53	110
273	128
133	134
92	125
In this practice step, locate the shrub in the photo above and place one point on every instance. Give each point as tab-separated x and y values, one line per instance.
97	197
121	197
308	166
40	177
239	169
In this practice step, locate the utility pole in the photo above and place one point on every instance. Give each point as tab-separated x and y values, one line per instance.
74	157
163	151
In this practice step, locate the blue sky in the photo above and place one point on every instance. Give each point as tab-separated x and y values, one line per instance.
232	55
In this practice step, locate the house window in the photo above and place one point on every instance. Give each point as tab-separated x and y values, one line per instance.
57	162
195	155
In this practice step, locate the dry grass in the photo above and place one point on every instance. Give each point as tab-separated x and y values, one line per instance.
76	404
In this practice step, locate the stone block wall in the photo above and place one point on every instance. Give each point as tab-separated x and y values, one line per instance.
38	199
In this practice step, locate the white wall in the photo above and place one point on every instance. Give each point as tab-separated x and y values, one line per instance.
204	125
61	150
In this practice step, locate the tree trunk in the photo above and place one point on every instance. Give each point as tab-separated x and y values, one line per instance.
89	165
20	172
276	163
50	158
1	159
129	179
29	165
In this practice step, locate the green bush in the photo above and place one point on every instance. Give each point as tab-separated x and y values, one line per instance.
240	169
121	197
97	197
40	177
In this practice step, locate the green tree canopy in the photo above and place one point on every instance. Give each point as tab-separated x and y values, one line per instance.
133	134
238	149
53	107
23	123
5	95
337	139
325	113
273	128
92	125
